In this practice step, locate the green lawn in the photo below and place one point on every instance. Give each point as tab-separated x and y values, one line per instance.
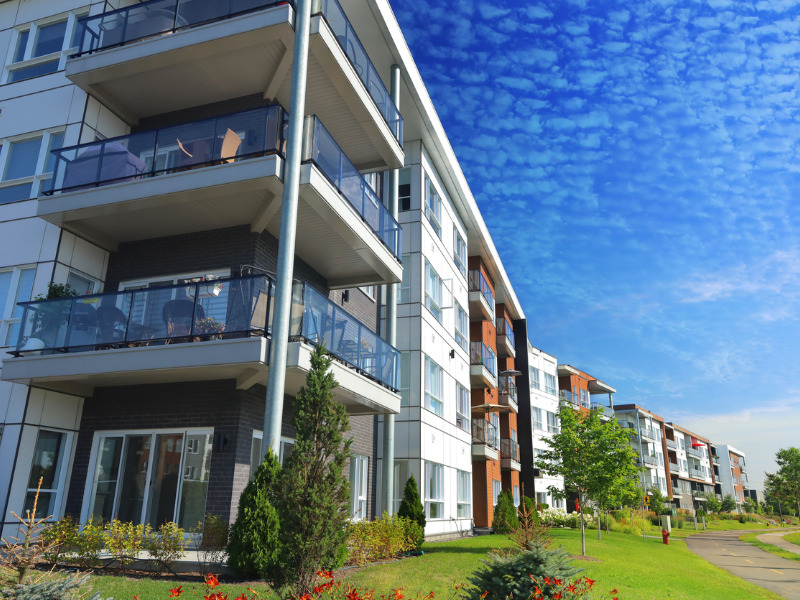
750	538
793	537
639	569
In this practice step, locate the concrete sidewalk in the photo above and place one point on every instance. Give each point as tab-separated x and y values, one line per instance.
723	549
776	539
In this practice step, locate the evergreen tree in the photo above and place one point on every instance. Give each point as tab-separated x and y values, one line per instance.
411	507
254	547
728	504
505	518
314	495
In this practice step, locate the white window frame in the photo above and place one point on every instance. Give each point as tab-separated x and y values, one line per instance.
434	492
497	489
433	206
535	380
7	317
464	495
536	418
40	174
32	29
550	384
258	436
369	291
462	335
463	408
459	249
515	494
553	426
399	483
359	486
64	457
94	284
434	387
135	284
434	298
494	419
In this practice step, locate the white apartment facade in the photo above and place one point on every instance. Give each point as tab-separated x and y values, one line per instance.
648	444
731	470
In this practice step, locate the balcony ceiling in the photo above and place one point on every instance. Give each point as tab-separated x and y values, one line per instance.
237	57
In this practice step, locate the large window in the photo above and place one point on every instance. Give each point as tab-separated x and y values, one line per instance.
16	285
584	395
464	495
150	476
399	483
359	476
515	494
433	291
553	425
433	206
26	163
550	384
534	373
462	327
462	407
49	455
39	48
434	490
497	489
257	454
404	189
536	417
434	376
494	418
460	252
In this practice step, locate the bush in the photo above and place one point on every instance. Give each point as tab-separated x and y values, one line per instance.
89	543
254	546
60	538
700	513
558	517
380	539
507	575
125	540
505	514
411	508
210	540
168	546
59	588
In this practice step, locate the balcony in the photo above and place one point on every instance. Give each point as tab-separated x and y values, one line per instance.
673	467
483	366
566	398
509	455
223	172
484	440
481	297
698	453
599	406
505	338
648	461
672	444
197	331
507	391
651	433
166	55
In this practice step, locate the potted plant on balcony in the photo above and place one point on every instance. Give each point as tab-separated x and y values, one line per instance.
209	328
48	318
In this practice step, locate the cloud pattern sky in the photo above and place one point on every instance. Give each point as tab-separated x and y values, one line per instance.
646	156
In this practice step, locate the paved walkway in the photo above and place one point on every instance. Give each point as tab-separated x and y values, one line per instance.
723	549
776	539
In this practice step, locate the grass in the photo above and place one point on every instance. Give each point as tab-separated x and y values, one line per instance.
751	538
794	538
639	569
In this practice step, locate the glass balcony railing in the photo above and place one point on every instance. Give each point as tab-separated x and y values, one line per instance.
157	17
509	449
220	140
478	283
505	328
652	433
484	432
507	387
325	153
481	354
697	452
344	32
568	397
197	311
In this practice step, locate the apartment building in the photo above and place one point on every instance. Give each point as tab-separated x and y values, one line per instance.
537	388
649	442
576	388
730	472
689	457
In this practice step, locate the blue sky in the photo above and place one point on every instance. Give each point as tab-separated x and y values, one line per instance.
637	165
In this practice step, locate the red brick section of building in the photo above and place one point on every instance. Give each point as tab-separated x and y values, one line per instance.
693	479
509	440
576	387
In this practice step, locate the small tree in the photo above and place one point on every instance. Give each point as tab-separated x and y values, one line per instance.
411	508
505	518
314	495
591	454
657	501
713	504
728	504
254	547
784	485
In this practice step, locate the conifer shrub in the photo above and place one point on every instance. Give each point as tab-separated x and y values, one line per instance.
254	543
412	509
505	518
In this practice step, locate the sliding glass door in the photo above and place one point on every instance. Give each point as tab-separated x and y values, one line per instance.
151	477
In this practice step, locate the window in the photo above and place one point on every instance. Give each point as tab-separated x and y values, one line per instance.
47	464
497	489
404	189
550	385
405	284
434	491
464	510
553	426
534	376
405	379
515	494
26	165
433	387
494	418
462	327
462	407
460	252
137	476
536	418
369	290
82	284
359	475
433	206
256	454
16	285
541	498
433	291
400	479
39	49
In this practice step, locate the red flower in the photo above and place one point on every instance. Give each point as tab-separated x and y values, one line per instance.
352	595
242	597
306	596
136	597
557	581
211	581
398	595
614	591
571	588
590	583
484	594
252	591
325	574
175	592
537	590
557	596
429	596
547	580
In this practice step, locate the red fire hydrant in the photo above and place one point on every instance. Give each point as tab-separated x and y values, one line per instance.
665	536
